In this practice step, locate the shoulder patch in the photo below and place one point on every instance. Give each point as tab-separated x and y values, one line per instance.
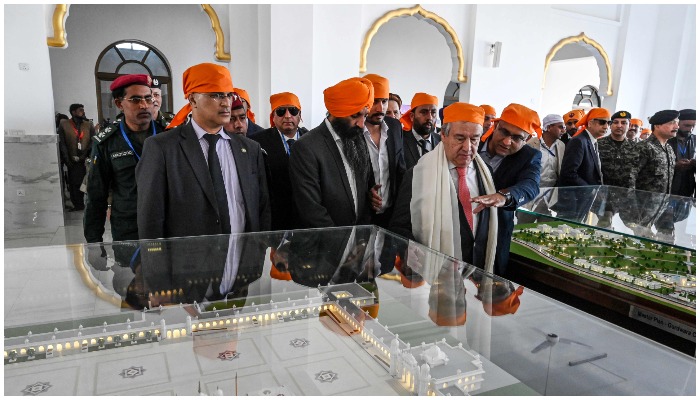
106	132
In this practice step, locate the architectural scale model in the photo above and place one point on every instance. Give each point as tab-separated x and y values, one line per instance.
653	269
426	369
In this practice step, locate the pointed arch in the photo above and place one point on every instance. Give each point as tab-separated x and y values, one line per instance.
597	52
420	13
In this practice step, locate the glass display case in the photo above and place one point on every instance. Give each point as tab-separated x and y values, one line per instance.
631	251
342	311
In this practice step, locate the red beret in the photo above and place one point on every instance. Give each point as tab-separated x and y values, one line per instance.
128	80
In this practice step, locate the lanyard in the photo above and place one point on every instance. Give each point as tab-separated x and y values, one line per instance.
546	148
121	127
685	149
78	133
284	141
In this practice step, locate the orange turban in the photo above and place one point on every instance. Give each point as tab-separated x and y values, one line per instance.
573	114
419	99
381	85
202	78
508	306
594	113
463	112
488	110
520	116
246	97
349	97
646	130
636	121
283	99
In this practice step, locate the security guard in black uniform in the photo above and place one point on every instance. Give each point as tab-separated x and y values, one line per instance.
116	151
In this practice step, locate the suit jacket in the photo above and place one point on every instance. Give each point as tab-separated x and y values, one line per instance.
397	169
253	128
683	183
560	147
410	147
177	197
579	167
473	246
284	215
320	186
68	141
520	174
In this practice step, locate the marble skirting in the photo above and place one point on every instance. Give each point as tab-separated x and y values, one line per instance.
31	166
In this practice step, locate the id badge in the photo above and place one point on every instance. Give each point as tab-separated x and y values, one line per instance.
80	146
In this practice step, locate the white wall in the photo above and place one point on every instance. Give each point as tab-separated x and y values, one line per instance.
564	79
28	99
185	40
413	55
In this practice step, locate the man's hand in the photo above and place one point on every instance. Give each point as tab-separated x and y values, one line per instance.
685	164
375	198
489	200
76	158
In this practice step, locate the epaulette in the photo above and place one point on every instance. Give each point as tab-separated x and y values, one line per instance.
106	132
165	118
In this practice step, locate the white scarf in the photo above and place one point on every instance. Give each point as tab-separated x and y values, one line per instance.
434	213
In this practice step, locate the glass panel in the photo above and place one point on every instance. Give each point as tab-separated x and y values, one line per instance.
342	311
133	68
110	61
156	65
657	217
132	51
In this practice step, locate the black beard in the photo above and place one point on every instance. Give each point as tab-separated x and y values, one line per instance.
354	147
422	130
571	132
683	134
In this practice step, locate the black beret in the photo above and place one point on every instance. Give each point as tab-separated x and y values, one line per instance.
155	83
687	114
621	114
662	117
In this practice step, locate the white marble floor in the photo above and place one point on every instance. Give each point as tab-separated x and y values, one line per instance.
70	233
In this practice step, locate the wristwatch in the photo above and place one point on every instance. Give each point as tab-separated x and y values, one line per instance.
507	195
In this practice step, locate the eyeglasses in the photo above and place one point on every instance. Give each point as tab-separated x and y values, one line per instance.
514	138
281	111
603	121
136	100
220	96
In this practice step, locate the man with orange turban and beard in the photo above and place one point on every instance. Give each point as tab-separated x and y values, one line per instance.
419	135
516	171
434	205
195	178
330	165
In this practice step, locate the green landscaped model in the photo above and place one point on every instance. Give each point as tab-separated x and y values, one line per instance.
652	270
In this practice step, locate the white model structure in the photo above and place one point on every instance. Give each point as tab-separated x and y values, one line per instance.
428	369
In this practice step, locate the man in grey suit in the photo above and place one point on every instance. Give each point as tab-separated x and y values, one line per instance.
330	165
196	179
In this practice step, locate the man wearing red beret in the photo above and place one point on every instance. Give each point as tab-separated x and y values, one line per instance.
116	152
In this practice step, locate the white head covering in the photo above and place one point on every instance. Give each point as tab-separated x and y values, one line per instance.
551	119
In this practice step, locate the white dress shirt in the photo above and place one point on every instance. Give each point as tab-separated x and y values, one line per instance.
428	142
549	175
379	156
348	171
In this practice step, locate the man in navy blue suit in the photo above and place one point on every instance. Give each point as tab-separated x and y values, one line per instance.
516	171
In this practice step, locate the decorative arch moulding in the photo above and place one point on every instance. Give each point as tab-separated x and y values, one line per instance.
449	33
59	30
585	39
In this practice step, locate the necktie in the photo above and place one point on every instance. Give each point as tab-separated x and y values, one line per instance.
597	161
464	196
423	149
217	179
290	143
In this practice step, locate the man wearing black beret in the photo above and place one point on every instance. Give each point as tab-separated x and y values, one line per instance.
684	147
617	152
654	157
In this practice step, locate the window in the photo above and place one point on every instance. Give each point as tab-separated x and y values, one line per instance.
587	97
130	57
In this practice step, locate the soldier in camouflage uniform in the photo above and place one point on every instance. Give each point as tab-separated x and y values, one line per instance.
617	152
115	153
654	157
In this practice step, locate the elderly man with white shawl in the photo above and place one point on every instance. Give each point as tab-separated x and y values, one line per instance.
434	204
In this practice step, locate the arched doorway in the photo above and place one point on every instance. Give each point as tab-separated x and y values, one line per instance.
130	57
